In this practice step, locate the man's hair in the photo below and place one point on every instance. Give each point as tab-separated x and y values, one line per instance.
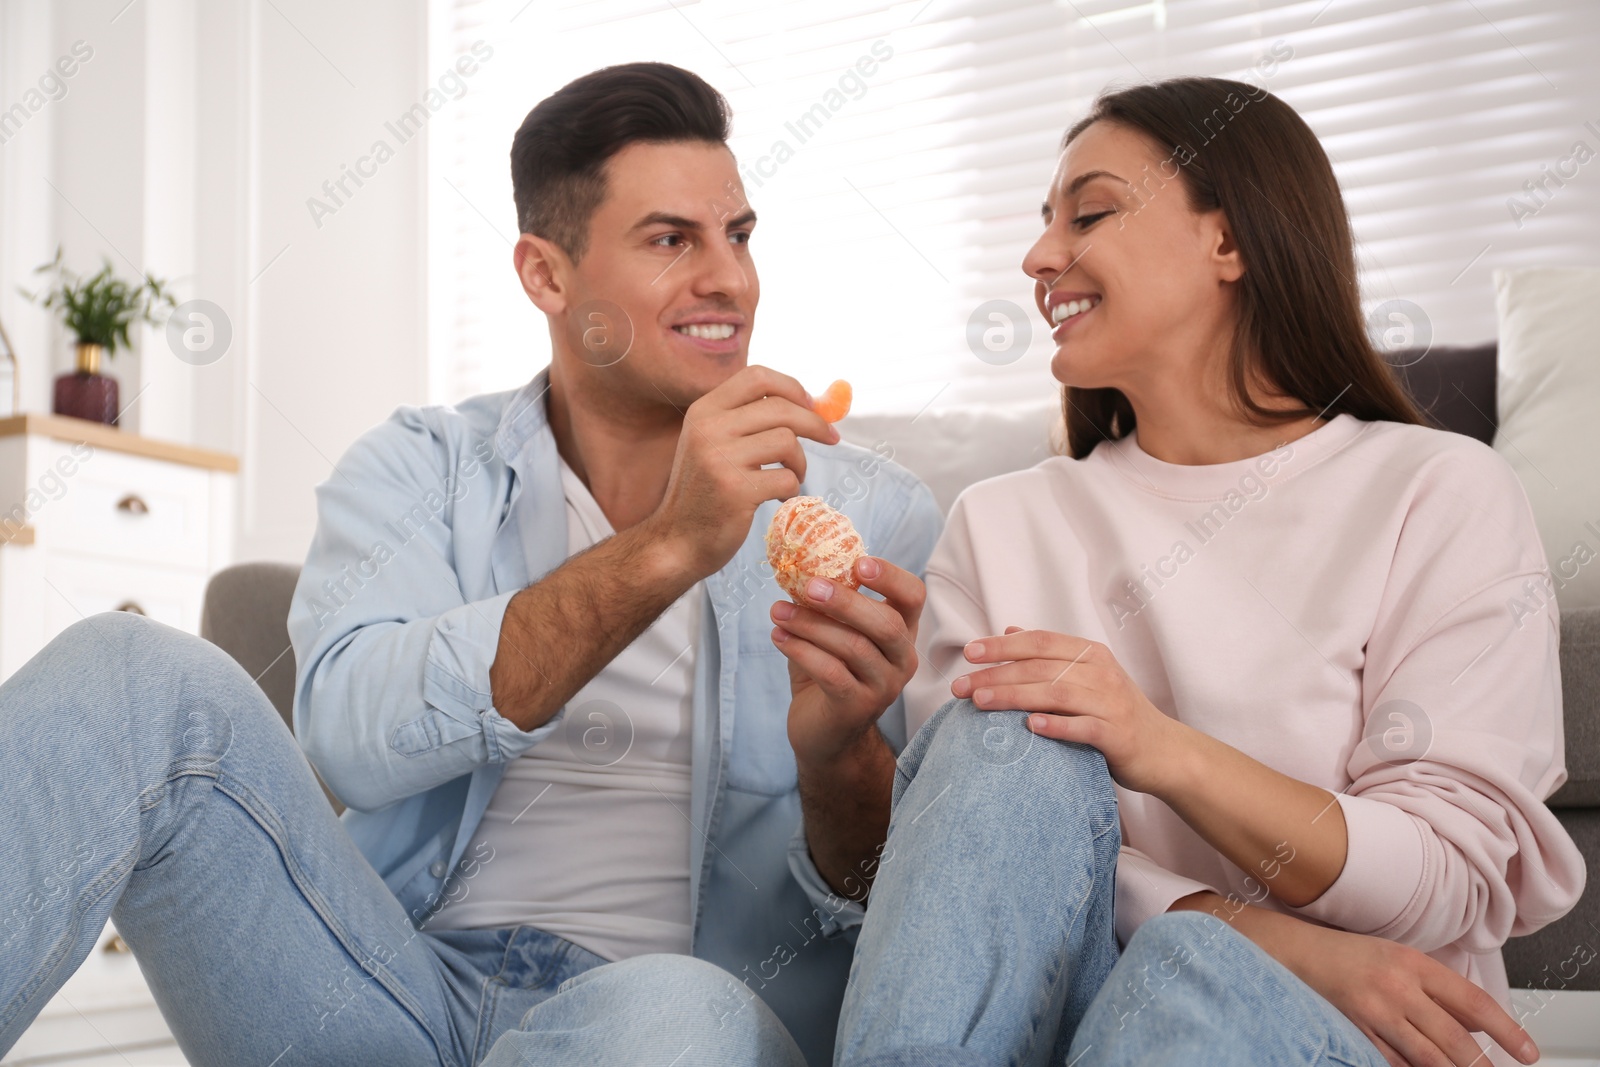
559	154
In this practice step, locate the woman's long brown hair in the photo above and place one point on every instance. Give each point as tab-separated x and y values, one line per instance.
1241	149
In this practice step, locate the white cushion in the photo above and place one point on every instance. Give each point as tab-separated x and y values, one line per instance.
1549	412
950	449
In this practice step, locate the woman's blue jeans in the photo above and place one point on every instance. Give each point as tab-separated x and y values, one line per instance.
145	777
990	940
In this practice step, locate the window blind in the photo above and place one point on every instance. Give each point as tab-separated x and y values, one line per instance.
897	204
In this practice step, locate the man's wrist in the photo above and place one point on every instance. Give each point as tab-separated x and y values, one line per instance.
857	759
664	559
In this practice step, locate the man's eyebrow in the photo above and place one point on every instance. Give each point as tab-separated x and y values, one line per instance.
679	222
664	218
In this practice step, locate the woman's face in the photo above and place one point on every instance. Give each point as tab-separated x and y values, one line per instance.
1137	286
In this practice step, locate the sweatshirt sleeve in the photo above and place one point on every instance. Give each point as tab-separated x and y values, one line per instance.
1450	841
1145	889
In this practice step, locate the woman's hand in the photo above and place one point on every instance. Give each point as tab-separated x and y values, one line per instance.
1082	694
1417	1011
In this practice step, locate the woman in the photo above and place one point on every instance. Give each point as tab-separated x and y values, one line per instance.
1273	607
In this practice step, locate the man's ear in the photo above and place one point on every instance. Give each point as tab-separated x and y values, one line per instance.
543	269
1225	255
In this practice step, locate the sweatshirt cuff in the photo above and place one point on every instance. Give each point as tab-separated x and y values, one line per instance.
838	915
455	678
1383	867
1145	889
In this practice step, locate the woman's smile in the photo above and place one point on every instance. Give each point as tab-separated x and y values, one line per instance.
1065	310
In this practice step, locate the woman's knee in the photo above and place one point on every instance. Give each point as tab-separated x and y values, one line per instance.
1188	950
998	757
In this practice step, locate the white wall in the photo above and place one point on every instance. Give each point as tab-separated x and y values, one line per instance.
187	146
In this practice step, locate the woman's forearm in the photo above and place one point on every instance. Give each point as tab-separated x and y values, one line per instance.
1288	835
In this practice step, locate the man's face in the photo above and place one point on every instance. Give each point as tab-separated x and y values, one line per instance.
669	246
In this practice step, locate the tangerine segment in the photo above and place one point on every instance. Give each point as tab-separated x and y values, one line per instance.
834	403
808	539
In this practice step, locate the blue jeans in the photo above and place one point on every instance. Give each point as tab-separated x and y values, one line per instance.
147	778
990	936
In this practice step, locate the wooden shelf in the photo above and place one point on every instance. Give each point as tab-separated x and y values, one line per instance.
99	435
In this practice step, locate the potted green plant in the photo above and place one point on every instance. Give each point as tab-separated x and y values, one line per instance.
99	311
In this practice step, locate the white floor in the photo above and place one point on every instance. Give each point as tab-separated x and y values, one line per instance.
104	1017
1566	1026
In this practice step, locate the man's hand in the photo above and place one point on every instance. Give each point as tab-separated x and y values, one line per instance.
849	656
755	417
1417	1011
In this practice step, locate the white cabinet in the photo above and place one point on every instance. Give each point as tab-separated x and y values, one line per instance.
94	519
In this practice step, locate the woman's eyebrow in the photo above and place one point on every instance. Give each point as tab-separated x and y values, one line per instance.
1088	176
1078	183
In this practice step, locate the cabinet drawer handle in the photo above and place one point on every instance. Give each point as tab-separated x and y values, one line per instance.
129	605
114	943
133	505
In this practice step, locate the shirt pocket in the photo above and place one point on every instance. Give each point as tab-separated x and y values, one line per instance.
760	759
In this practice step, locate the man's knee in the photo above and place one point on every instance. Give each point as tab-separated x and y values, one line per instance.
160	669
116	633
123	639
667	984
647	1008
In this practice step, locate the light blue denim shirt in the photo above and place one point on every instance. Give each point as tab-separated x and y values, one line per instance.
427	527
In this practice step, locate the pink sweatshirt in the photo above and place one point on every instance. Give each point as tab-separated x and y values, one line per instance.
1367	572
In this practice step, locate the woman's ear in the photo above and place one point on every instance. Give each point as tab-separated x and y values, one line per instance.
1225	256
543	268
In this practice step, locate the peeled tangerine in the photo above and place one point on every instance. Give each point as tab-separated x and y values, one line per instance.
808	539
834	403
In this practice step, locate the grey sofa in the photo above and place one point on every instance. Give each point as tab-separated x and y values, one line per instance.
246	614
246	608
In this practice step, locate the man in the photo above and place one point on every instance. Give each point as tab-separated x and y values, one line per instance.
477	697
535	660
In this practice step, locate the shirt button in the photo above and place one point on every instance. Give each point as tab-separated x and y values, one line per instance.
437	870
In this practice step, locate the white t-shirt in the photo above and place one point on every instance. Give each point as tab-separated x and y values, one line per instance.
590	828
